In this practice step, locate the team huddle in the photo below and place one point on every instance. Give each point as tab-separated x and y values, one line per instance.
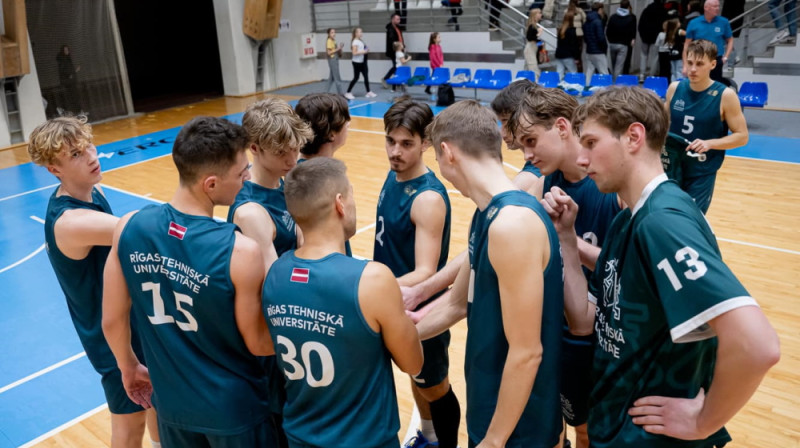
593	287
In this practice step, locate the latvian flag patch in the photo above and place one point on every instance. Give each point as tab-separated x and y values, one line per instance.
176	230
300	275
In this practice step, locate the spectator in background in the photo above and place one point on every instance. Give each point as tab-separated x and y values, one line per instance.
68	76
786	33
568	46
532	44
692	11
455	11
401	10
334	51
393	34
621	34
670	49
650	25
595	38
360	55
716	29
494	14
435	55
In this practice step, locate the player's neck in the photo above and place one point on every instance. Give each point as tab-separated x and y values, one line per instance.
640	176
77	190
485	179
320	242
701	84
412	173
325	150
192	202
260	176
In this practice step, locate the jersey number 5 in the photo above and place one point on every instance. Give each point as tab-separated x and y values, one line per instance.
688	126
690	256
298	371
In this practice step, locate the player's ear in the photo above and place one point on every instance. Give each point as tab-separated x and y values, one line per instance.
210	183
447	152
634	138
564	127
338	204
54	170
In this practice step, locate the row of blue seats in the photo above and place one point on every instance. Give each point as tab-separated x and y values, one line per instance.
751	94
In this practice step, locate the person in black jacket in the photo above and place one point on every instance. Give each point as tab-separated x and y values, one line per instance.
650	25
568	46
621	34
393	34
595	38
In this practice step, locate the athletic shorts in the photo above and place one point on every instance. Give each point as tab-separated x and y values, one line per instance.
700	189
261	435
116	397
577	355
393	443
437	361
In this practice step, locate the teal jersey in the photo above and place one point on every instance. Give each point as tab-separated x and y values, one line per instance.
340	388
487	346
274	202
696	115
395	234
531	168
82	281
177	268
659	280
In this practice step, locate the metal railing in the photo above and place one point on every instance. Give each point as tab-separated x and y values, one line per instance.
752	22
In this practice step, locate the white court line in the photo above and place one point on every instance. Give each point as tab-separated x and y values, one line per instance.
41	372
28	257
37	219
366	131
361	105
760	246
64	426
365	228
27	192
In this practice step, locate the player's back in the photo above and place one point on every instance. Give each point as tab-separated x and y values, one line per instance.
340	387
177	268
274	202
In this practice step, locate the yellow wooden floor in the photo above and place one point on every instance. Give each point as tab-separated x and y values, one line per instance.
756	202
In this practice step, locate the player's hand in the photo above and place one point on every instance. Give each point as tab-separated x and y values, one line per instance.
562	210
487	444
698	146
412	296
137	385
415	316
673	417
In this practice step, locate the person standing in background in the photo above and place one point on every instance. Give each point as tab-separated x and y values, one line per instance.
393	34
650	24
360	56
435	55
334	52
532	44
596	45
716	29
621	35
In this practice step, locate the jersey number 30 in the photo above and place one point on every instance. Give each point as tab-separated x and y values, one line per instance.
298	371
686	255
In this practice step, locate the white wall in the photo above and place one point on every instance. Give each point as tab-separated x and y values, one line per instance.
31	107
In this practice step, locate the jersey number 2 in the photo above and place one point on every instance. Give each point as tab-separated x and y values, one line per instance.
696	269
379	233
298	372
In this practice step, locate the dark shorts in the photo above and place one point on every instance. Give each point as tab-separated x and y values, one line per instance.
394	443
701	189
261	435
437	361
116	397
577	355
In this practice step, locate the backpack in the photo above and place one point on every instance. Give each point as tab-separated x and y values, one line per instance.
446	96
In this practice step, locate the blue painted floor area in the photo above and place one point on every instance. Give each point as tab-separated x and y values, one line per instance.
36	326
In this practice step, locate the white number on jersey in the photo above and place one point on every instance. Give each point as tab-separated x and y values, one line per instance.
298	371
690	256
159	314
688	126
381	227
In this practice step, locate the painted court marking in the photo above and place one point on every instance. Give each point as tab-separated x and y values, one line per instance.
65	426
41	372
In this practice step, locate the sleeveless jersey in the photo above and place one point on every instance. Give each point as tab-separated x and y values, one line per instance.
531	168
395	234
177	268
82	282
487	347
274	203
696	115
659	280
340	388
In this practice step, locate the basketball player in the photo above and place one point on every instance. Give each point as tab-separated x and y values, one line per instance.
681	345
412	238
193	285
703	111
337	322
542	125
78	230
510	290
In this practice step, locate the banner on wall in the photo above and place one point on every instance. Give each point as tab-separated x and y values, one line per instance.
307	46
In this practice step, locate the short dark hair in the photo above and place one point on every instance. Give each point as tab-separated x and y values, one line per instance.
311	186
618	107
507	101
409	114
326	113
471	127
625	4
597	6
207	144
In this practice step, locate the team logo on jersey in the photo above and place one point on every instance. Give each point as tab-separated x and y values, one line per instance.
287	220
611	288
300	275
491	213
680	105
409	190
380	198
713	93
178	231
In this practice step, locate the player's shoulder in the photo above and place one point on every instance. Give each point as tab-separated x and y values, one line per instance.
668	206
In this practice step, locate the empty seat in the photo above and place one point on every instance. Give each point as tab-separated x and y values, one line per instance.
598	81
576	82
657	84
548	79
526	74
420	75
440	76
753	94
467	73
401	76
499	80
627	80
482	76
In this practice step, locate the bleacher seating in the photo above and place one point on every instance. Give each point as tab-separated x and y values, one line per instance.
461	71
526	74
657	84
420	75
599	80
548	79
753	94
401	76
577	79
440	76
482	76
499	80
627	80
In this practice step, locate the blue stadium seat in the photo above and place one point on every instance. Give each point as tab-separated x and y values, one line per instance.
657	84
499	80
461	71
401	75
482	76
548	79
526	74
421	74
627	80
440	76
598	81
753	94
575	78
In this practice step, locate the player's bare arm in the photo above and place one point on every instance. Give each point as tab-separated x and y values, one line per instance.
414	295
451	308
525	181
731	113
428	214
247	276
117	325
587	253
519	252
78	230
578	310
382	307
670	93
748	347
256	223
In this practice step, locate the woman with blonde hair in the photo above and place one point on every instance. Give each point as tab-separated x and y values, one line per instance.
532	38
334	51
360	55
